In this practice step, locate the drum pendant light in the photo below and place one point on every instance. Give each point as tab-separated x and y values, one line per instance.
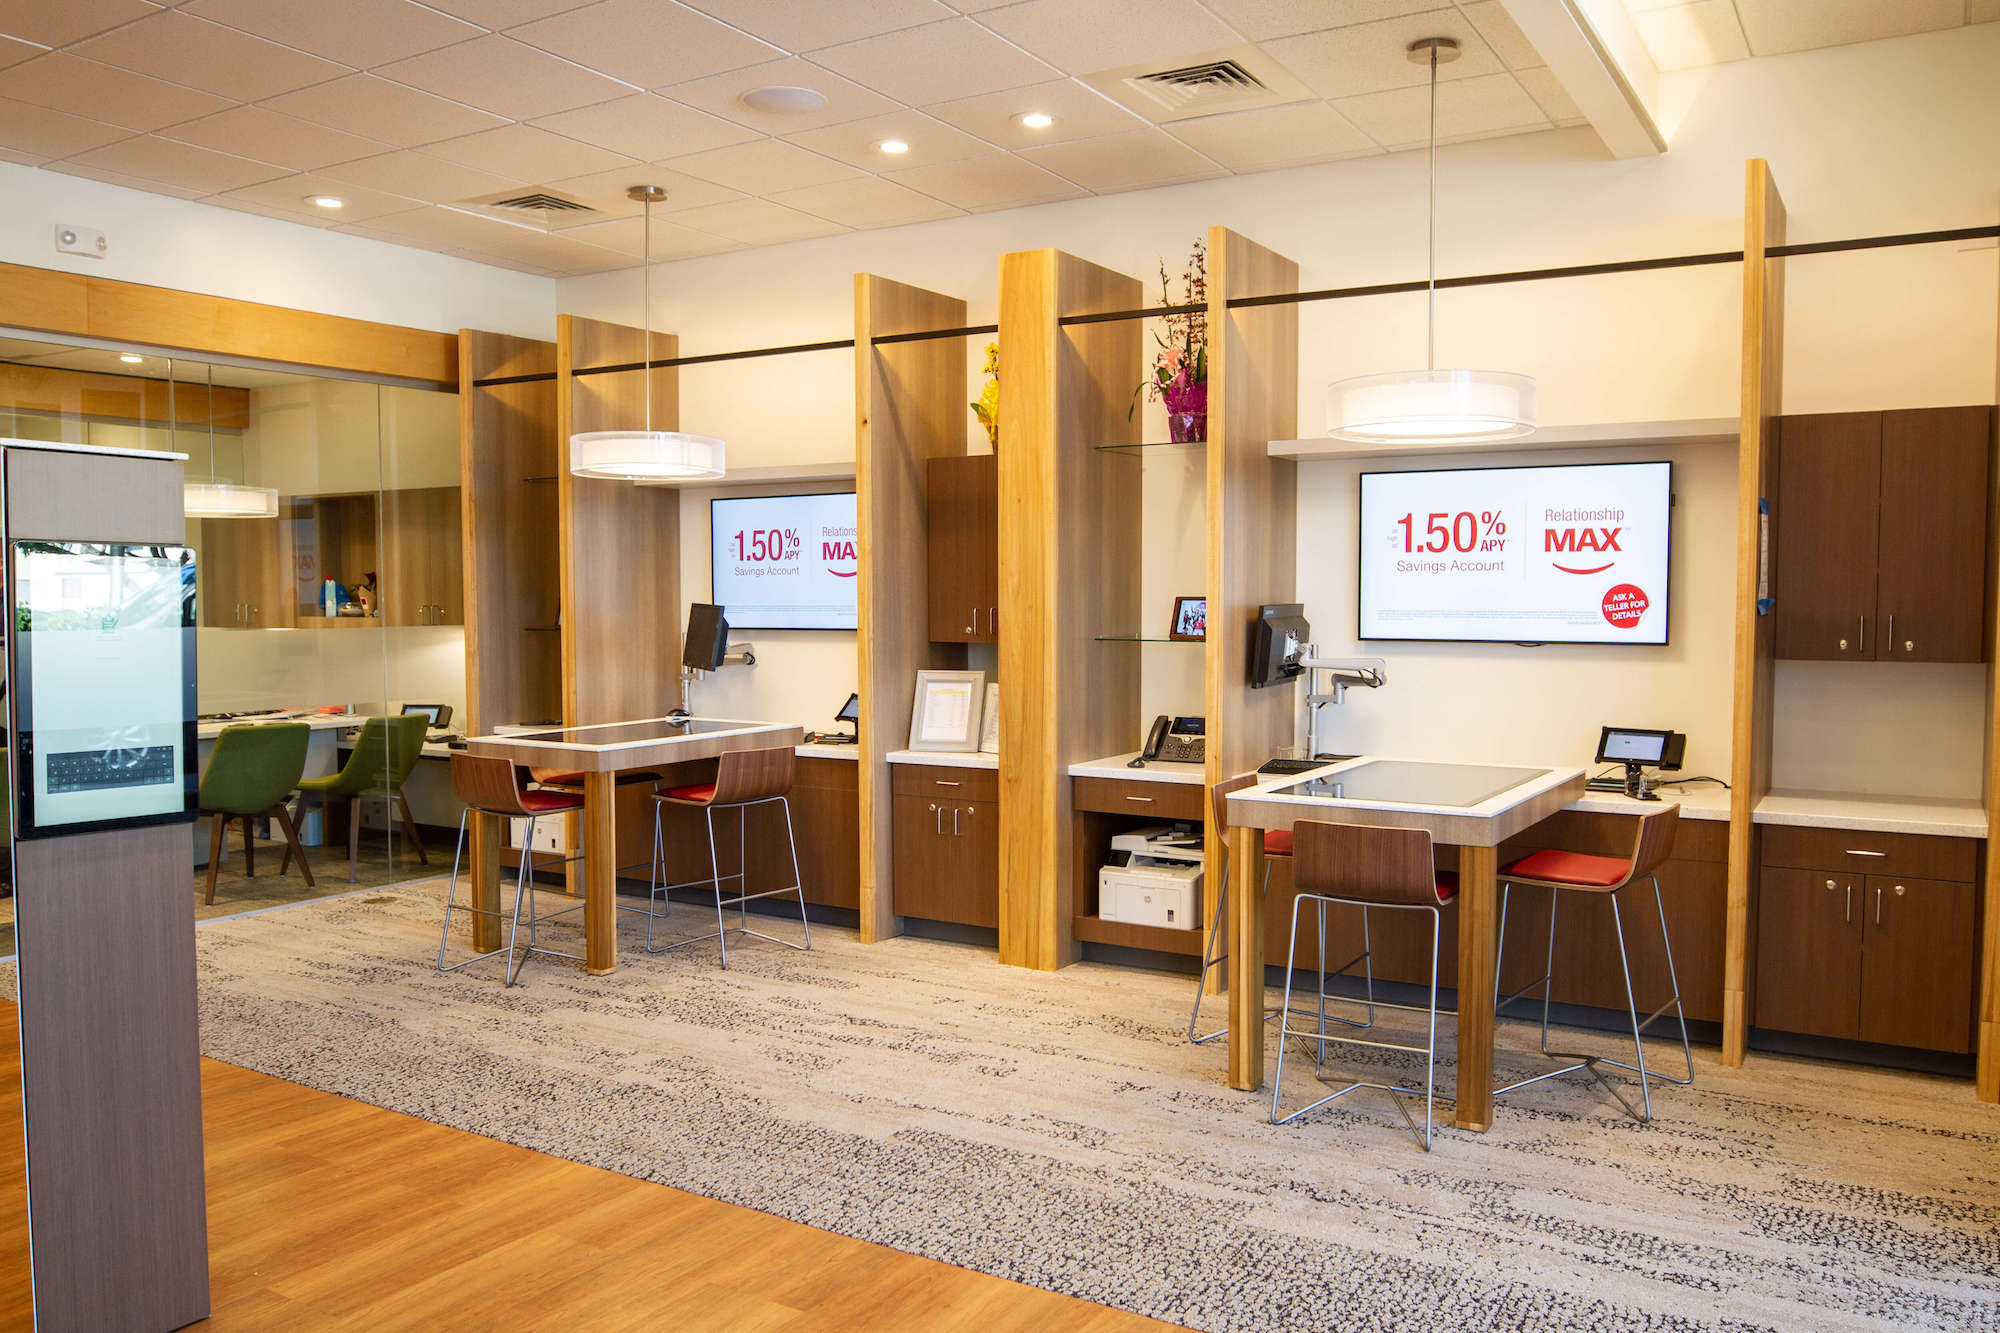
214	497
1431	406
648	454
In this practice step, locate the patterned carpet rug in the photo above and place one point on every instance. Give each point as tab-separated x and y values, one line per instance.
1058	1130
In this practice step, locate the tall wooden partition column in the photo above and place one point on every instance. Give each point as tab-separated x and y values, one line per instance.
1750	741
1069	573
909	407
1987	1077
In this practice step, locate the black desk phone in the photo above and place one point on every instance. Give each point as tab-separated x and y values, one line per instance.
1176	740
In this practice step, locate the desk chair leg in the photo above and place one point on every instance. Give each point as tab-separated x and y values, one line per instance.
799	883
1211	960
353	835
410	829
217	825
654	893
521	880
715	868
292	847
451	893
249	849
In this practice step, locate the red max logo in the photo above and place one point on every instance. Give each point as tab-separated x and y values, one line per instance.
838	550
1582	539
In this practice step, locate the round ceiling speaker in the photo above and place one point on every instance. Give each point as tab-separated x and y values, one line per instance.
784	100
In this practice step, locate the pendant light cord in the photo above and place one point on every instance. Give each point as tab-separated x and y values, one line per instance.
646	299
1431	258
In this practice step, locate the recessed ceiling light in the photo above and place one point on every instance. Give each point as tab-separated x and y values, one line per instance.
131	360
783	99
892	146
1035	120
325	200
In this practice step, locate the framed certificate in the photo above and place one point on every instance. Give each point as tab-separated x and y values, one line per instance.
989	733
946	714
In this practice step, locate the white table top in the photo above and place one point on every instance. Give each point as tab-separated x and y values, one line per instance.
1935	815
1704	802
1266	789
810	751
1118	767
208	731
943	759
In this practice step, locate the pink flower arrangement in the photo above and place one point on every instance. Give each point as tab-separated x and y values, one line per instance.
1180	368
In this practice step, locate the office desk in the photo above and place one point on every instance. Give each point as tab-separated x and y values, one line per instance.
600	753
1476	827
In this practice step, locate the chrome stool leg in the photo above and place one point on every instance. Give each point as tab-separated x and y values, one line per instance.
1212	960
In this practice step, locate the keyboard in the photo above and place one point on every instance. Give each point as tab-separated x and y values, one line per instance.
96	770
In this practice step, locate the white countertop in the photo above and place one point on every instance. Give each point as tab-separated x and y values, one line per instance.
944	760
1936	815
1704	802
1492	806
828	751
1119	766
208	731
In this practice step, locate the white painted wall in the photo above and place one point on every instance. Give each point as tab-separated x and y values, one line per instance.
1884	137
195	247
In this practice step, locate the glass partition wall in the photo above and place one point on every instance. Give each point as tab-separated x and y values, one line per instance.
335	599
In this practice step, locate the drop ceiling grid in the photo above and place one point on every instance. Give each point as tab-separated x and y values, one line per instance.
406	107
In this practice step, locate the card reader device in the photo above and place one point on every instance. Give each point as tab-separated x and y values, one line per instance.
1153	878
1638	749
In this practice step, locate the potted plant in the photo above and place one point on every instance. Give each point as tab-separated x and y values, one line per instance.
1180	367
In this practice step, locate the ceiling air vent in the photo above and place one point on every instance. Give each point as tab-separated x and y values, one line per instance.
540	201
1239	78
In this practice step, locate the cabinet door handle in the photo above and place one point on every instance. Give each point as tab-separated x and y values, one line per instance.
1878	904
973	628
1141	800
1847	913
938	811
940	782
1860	851
1892	631
993	620
954	821
1864	635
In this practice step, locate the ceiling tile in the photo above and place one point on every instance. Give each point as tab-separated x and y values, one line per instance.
807	27
14	52
1777	26
1467	109
1549	94
646	126
722	95
498	14
867	202
523	152
420	176
501	75
39	132
182	48
624	236
605	191
1374	57
1693	36
361	33
72	167
151	158
104	92
1080	113
763	167
446	226
1124	161
271	136
291	195
939	61
1982	11
1087	36
262	210
1504	35
1281	136
646	42
377	109
1261	20
60	22
986	183
22	159
855	142
757	222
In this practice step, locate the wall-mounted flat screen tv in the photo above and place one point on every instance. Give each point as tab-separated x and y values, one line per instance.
1564	554
785	561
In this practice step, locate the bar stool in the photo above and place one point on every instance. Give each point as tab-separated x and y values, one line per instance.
1563	872
743	778
493	787
1277	843
1354	865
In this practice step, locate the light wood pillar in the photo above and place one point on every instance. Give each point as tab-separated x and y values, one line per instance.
1069	572
1987	1080
1750	738
909	407
1253	395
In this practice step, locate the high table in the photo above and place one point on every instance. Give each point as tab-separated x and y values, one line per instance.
600	753
1474	807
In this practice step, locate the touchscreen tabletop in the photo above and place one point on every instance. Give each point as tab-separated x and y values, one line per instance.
628	733
1407	782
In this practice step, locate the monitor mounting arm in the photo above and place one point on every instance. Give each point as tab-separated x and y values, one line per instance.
1340	673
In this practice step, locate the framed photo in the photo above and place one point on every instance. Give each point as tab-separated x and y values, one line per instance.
1190	622
946	714
989	734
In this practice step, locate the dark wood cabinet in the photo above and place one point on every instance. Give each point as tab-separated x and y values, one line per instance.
245	574
963	509
1884	958
1881	535
423	579
826	824
946	847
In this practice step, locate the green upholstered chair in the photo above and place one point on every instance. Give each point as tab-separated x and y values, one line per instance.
384	753
251	773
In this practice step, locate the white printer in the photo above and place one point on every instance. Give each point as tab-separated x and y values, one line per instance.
1153	878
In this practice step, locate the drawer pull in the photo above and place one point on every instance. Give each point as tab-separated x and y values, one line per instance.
940	782
1857	851
1142	800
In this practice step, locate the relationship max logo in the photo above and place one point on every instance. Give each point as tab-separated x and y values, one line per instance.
837	545
1579	534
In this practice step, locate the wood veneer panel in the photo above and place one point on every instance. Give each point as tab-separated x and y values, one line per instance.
1987	1024
121	397
1752	677
909	407
1069	529
621	593
1824	543
1931	575
1252	511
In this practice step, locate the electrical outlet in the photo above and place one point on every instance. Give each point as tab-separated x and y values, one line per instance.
86	241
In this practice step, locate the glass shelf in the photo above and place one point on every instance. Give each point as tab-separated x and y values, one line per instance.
550	477
1144	638
541	629
1145	445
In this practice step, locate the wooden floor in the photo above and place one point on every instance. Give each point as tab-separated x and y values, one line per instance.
325	1212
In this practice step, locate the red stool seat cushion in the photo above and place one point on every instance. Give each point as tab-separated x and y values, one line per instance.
1555	866
543	802
1447	886
574	778
1278	842
698	794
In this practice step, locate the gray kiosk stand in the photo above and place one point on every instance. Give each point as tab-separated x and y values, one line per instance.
100	588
